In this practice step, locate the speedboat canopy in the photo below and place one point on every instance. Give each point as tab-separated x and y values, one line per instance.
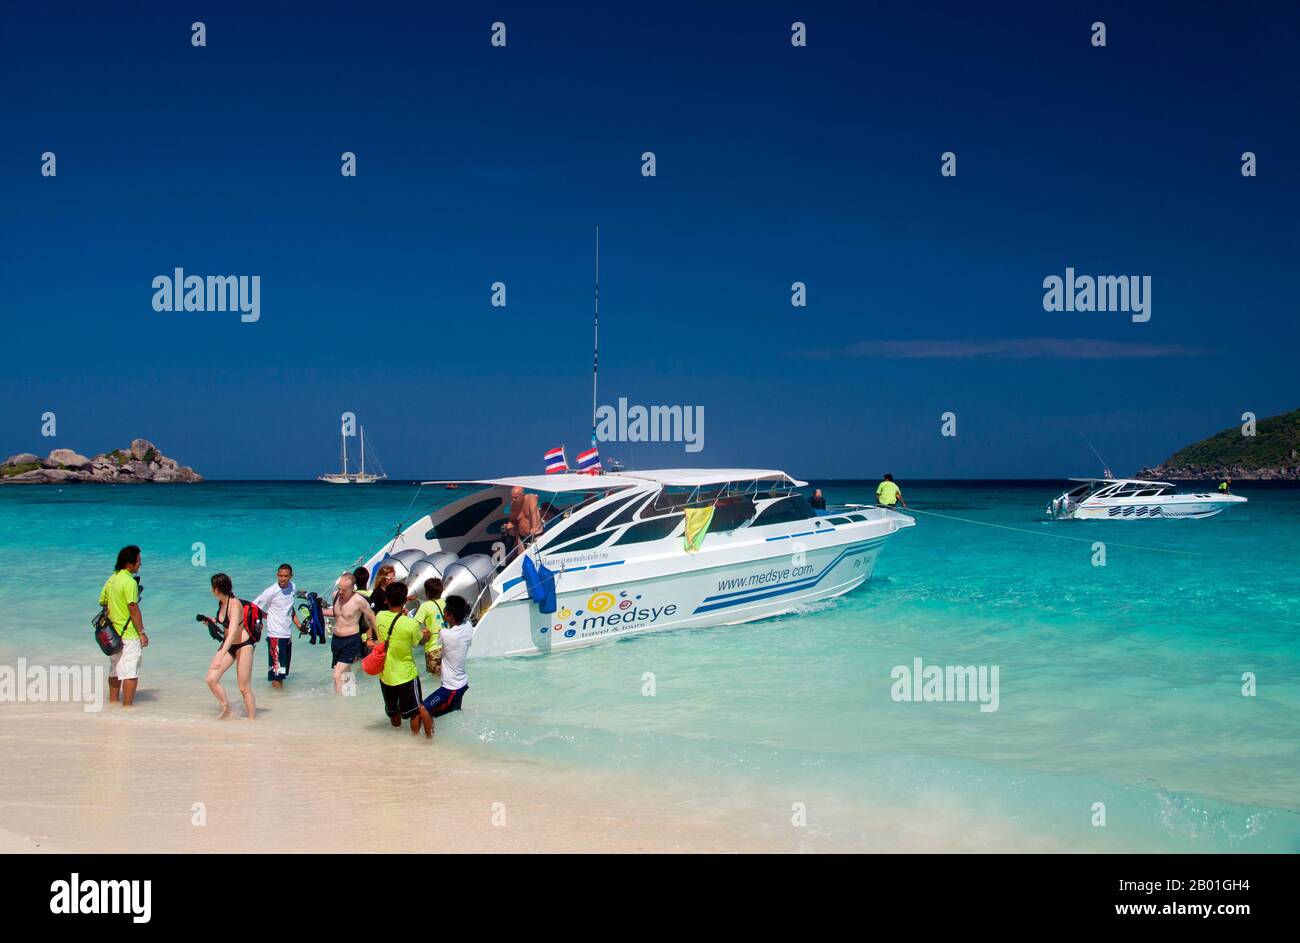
702	477
552	483
669	477
1122	481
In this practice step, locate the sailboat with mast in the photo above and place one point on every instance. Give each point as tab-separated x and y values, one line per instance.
358	478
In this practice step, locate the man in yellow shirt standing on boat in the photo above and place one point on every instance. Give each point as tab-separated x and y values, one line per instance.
888	494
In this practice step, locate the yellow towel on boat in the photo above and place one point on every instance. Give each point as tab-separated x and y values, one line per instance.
697	525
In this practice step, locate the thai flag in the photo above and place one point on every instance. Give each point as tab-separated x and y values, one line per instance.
588	462
555	461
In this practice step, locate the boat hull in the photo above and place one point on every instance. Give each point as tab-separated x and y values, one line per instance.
1196	507
726	594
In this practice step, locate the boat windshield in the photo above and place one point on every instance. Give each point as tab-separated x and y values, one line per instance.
675	497
558	508
1129	489
630	517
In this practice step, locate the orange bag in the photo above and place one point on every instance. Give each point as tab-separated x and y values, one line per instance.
373	663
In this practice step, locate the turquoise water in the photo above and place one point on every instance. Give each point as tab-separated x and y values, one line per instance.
1119	684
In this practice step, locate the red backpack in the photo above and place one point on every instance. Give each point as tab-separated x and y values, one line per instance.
254	619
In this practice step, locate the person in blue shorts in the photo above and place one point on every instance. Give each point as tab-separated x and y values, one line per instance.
455	637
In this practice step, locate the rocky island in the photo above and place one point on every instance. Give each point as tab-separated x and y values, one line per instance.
140	463
1273	453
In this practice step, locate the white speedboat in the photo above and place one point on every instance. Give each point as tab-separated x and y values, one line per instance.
615	544
1132	499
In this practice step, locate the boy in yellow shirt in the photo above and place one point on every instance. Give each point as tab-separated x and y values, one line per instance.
430	615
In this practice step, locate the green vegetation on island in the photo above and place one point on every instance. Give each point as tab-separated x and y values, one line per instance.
1273	452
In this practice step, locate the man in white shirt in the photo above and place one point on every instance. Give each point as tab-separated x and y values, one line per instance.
281	619
455	637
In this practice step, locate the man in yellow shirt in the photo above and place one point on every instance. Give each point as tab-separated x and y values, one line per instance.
400	679
121	594
888	493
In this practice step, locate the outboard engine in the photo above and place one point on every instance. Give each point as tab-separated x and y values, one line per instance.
409	557
400	570
468	577
433	566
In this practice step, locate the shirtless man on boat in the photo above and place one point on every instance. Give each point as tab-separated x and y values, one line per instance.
525	519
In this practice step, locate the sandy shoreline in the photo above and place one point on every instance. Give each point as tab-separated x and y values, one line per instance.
19	843
125	781
321	773
314	773
135	782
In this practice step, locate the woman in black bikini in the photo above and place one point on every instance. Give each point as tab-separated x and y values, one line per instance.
236	649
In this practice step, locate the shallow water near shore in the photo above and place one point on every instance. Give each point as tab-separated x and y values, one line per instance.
1118	684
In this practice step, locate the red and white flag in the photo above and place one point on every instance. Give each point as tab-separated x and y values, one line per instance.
555	461
588	462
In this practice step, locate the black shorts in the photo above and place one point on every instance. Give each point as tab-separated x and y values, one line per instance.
347	649
279	651
402	699
445	700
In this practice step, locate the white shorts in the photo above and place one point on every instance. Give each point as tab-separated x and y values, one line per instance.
126	663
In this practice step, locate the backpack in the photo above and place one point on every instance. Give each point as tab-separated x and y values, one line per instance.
106	636
254	620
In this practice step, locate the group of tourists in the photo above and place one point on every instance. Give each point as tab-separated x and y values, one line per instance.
397	637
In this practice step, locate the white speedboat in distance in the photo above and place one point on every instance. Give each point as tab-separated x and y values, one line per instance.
1132	499
615	544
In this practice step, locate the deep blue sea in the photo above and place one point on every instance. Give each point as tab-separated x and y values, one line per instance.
1120	686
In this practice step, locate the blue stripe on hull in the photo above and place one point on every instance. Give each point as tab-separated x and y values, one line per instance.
788	588
512	583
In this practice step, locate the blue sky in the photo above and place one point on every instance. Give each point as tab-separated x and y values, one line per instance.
774	164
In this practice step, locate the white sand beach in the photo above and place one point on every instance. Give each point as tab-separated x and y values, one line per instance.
126	780
17	843
320	773
313	773
129	780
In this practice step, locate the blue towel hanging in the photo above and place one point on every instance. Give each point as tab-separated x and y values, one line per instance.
541	585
